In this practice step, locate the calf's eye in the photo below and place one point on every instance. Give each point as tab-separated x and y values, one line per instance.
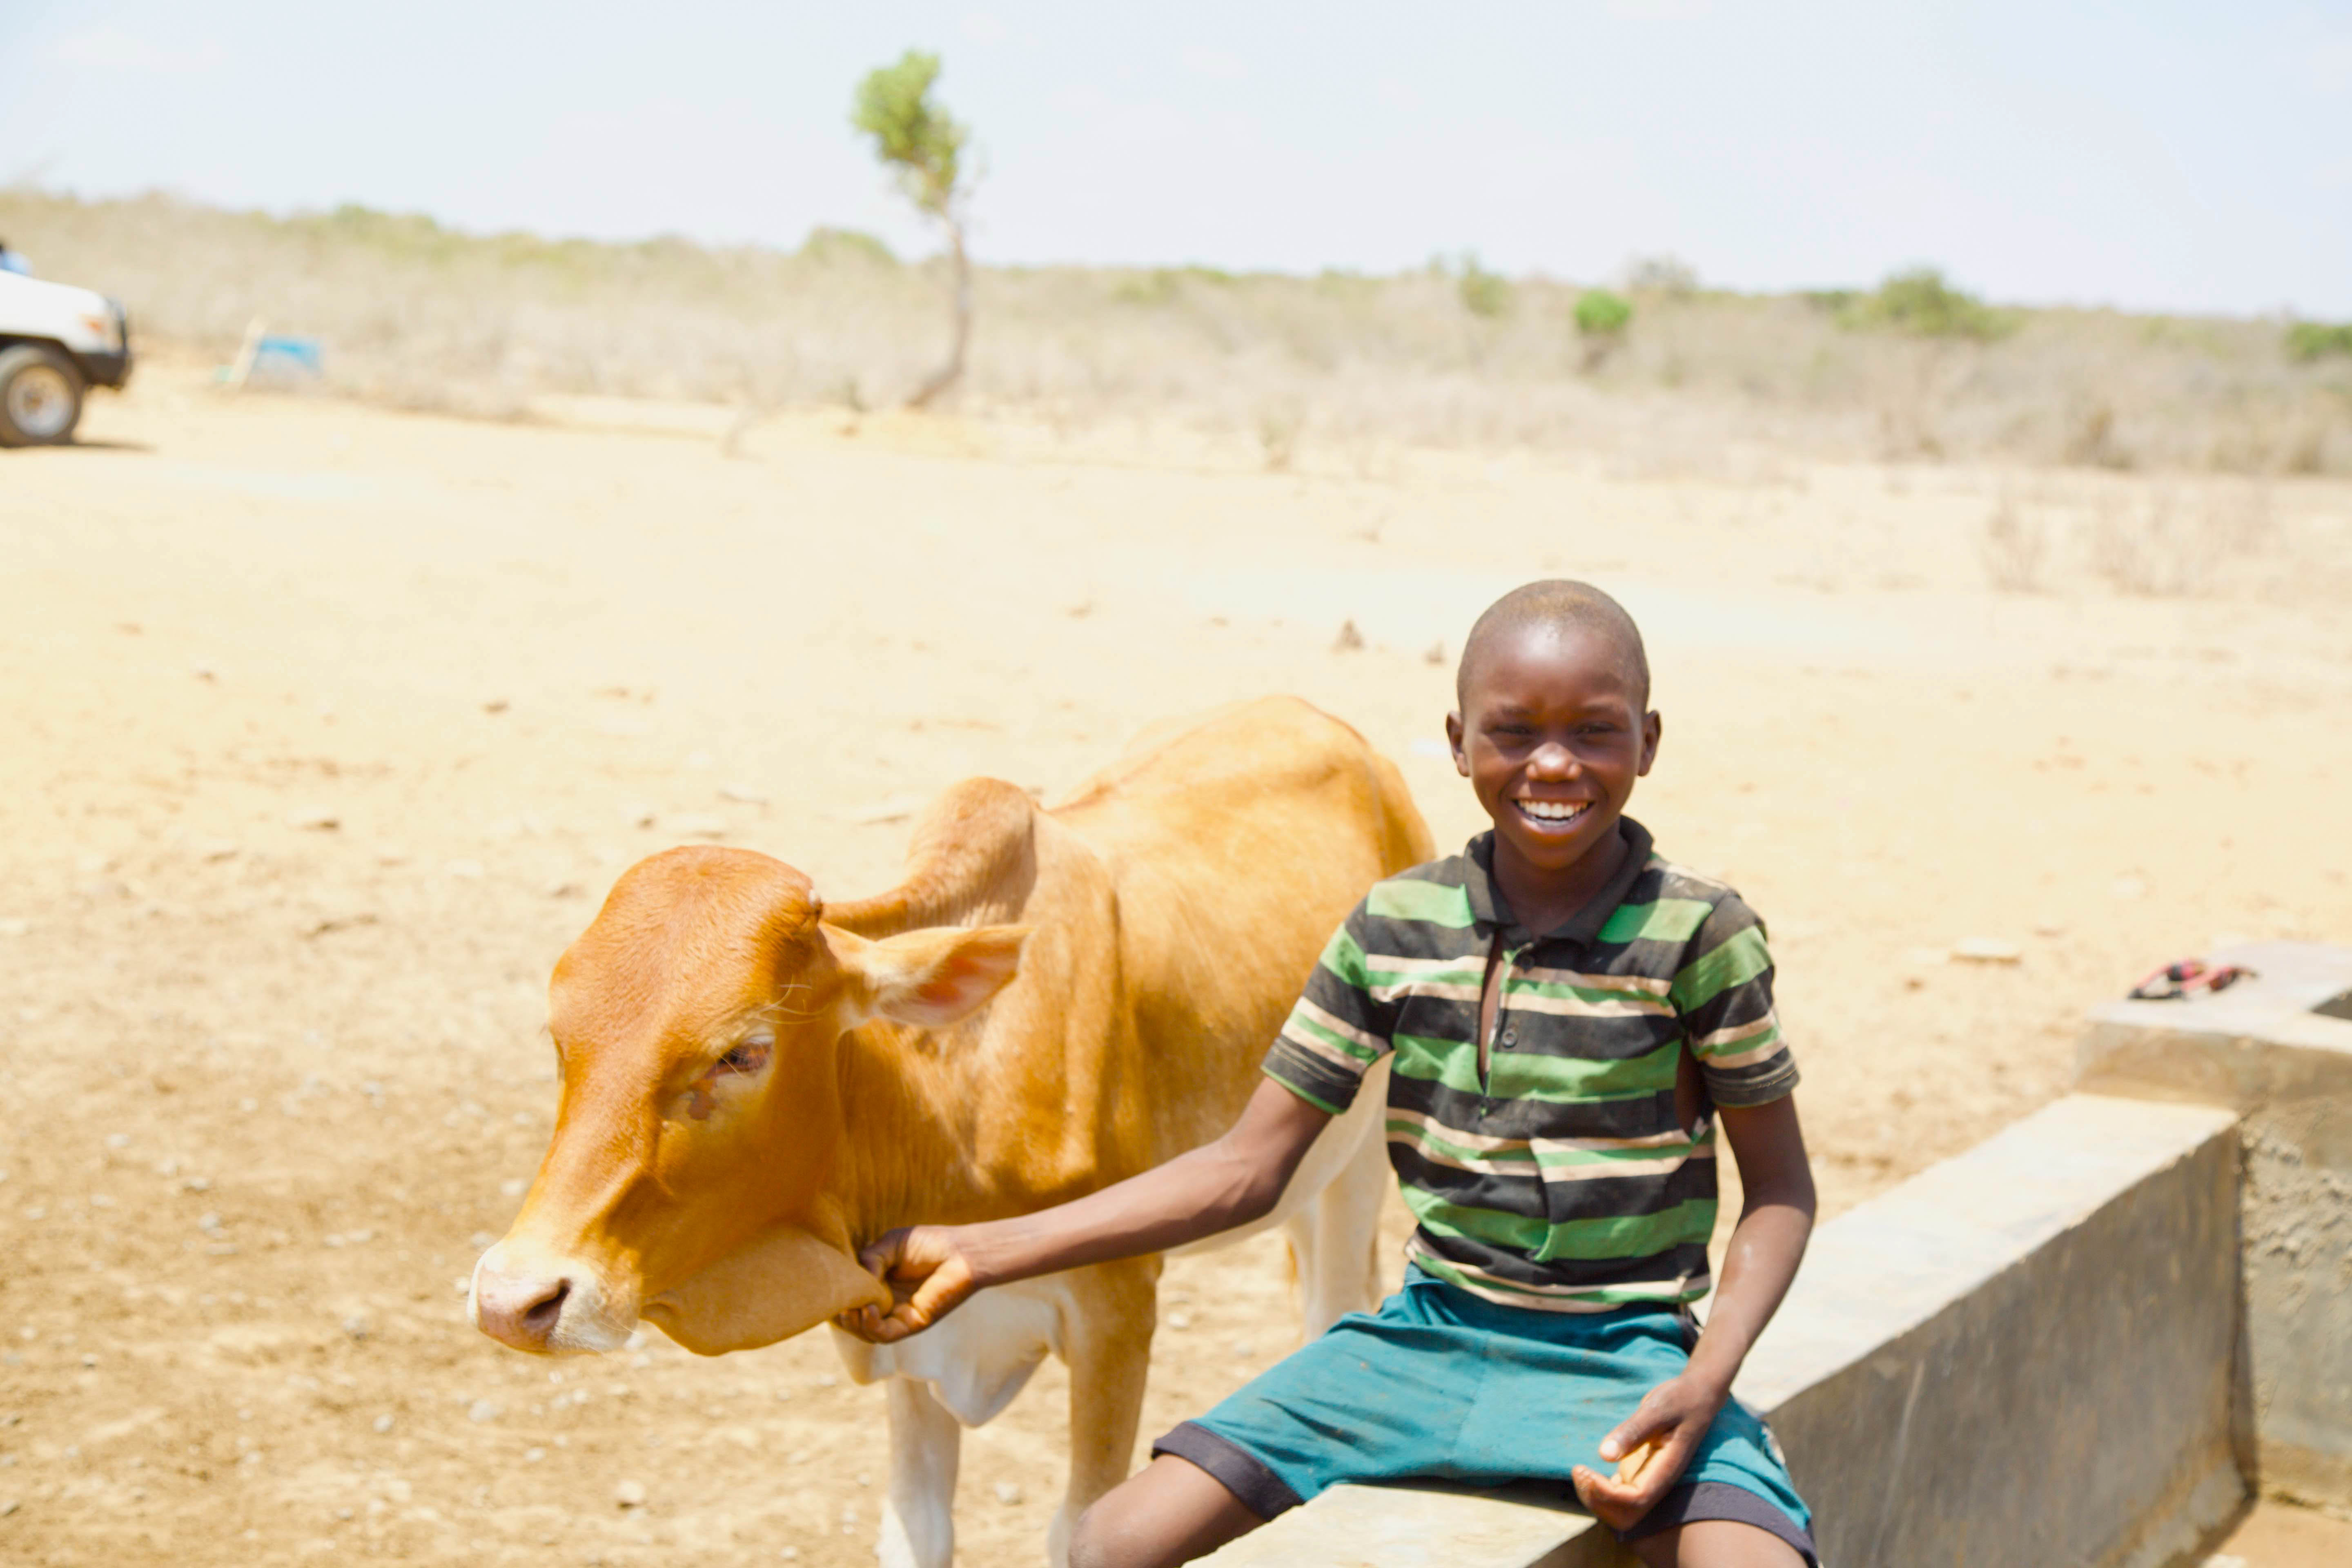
746	1058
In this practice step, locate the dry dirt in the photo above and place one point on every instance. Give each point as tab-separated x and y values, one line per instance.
326	727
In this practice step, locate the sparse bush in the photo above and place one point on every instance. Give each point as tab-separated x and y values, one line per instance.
2144	553
2014	548
1159	286
1906	425
2305	450
1277	437
2181	545
1601	318
1486	295
1600	314
1165	285
833	247
2308	341
1669	275
1921	303
2091	441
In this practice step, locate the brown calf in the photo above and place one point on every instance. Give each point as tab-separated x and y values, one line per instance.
755	1082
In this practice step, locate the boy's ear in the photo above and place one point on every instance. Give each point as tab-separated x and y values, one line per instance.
1453	742
927	978
1653	729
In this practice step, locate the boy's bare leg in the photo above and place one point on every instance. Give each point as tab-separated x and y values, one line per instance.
1715	1543
1170	1511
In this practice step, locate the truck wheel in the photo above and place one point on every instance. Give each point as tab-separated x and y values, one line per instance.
40	397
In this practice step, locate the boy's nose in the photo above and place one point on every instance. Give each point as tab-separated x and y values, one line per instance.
1553	761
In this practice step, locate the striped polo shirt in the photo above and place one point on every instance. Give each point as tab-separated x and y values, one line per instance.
1563	1182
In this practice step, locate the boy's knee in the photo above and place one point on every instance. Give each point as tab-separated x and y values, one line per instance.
1103	1539
1126	1529
1169	1513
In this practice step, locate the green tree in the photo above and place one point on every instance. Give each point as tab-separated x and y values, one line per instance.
1601	318
1600	314
923	145
2308	341
1484	294
1922	303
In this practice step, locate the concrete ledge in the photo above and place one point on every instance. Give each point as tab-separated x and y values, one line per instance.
2024	1354
2277	1050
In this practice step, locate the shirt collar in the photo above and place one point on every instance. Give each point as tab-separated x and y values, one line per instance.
1486	902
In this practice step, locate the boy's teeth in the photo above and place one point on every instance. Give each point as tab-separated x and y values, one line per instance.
1549	810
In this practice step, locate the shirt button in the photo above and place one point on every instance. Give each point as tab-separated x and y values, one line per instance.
1510	1037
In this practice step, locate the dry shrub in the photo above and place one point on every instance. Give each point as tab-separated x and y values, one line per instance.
2014	547
2092	442
1277	437
2139	549
2183	543
2306	449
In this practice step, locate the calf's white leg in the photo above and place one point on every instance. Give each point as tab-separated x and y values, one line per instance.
1107	1340
918	1513
1333	1242
1334	1237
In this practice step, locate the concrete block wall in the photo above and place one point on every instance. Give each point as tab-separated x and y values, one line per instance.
2027	1354
2276	1049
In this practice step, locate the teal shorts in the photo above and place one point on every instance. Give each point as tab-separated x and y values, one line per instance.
1443	1384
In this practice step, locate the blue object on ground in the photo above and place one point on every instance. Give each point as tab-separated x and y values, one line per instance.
289	356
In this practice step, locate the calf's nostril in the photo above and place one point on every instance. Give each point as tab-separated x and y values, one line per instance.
541	1315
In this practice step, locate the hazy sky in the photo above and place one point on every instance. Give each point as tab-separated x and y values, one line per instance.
2151	155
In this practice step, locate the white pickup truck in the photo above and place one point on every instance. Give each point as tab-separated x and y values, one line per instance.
55	341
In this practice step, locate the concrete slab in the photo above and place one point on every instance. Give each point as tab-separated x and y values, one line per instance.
2277	1050
2024	1354
1432	1525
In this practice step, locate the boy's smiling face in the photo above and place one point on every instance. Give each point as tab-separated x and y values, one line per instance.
1552	731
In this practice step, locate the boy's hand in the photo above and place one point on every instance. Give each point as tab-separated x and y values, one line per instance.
1669	1422
928	1277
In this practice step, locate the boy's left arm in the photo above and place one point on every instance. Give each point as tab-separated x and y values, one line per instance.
1775	1219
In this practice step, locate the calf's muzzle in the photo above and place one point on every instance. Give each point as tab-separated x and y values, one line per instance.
545	1310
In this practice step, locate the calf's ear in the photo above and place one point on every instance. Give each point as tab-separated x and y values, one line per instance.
928	978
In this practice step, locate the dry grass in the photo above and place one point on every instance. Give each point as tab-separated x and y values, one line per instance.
2179	543
2177	536
2015	547
1324	369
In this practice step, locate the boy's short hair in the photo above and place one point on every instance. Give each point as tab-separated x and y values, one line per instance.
1559	603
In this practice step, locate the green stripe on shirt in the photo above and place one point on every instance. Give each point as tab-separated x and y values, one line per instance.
1518	1075
1739	960
1404	900
1606	1237
1301	1024
1666	920
1344	959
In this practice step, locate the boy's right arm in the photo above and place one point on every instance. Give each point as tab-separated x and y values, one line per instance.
1237	1179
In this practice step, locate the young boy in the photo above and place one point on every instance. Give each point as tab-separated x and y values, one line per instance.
1568	1018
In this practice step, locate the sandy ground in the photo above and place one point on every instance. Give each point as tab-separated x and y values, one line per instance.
326	727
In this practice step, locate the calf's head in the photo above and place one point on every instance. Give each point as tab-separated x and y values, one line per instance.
701	1119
